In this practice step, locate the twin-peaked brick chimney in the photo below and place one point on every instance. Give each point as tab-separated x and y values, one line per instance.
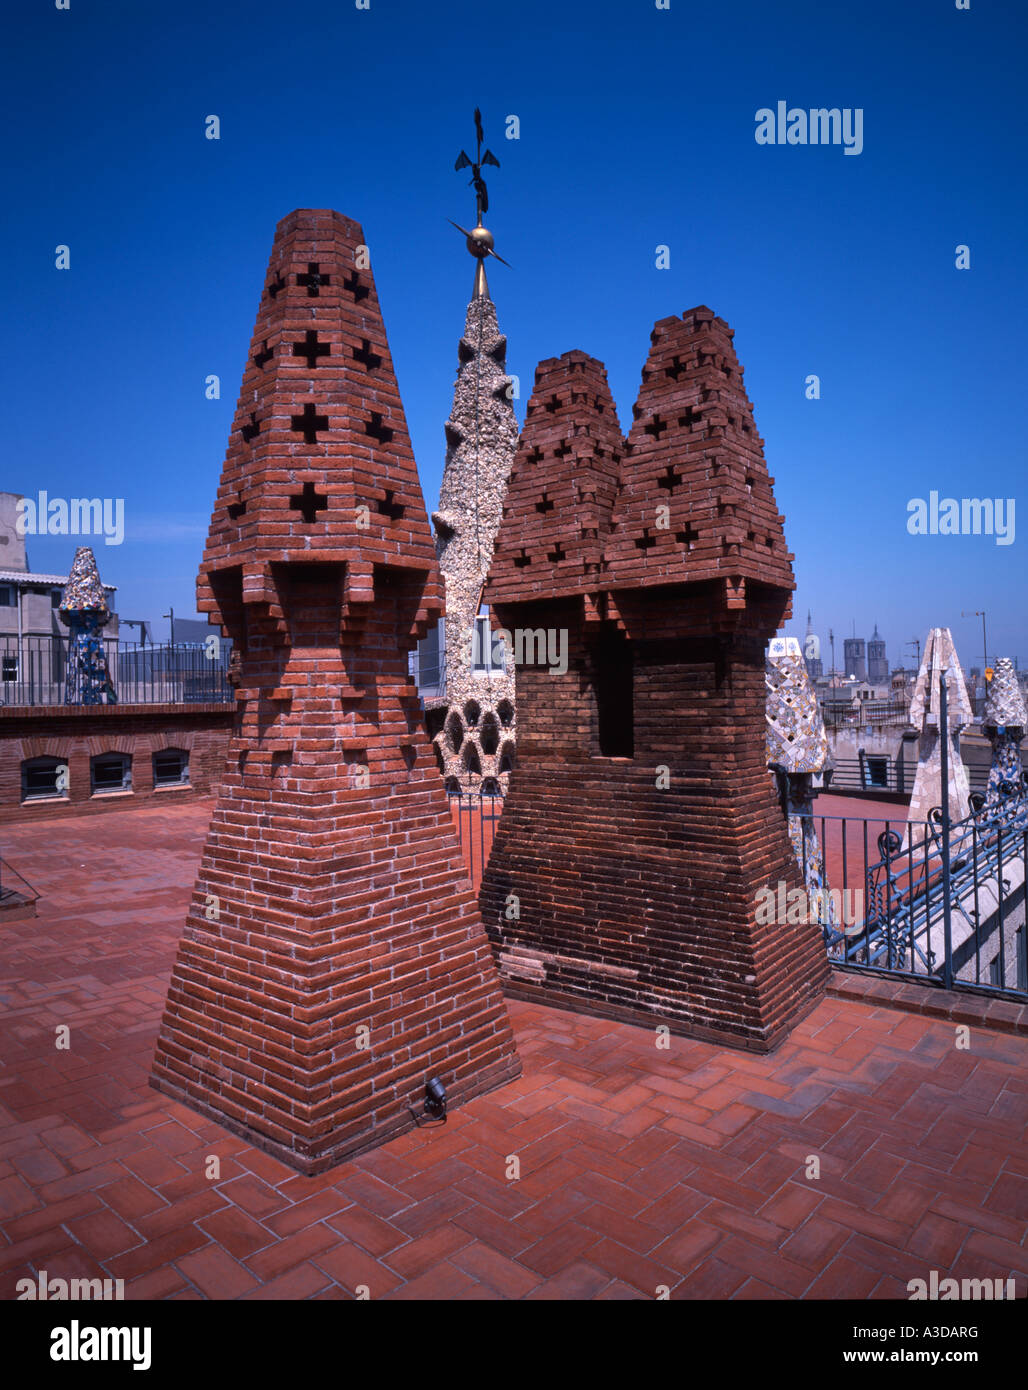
333	959
641	821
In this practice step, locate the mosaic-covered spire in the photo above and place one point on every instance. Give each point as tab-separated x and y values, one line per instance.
1004	723
796	738
83	607
84	593
1004	704
475	744
926	717
797	750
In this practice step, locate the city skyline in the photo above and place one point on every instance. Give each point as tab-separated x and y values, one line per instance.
843	269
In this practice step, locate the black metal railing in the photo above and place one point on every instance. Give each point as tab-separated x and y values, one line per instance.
884	772
909	902
476	818
944	901
13	887
891	892
875	714
33	671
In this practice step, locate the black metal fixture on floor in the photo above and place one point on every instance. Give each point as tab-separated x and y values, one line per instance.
433	1105
435	1099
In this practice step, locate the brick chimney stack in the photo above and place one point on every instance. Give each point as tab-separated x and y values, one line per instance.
333	958
642	822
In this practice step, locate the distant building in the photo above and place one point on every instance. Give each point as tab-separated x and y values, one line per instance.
29	602
877	663
855	657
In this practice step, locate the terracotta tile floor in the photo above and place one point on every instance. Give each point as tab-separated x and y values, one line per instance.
638	1167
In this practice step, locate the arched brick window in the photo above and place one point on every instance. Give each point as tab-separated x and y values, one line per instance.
44	777
110	772
171	767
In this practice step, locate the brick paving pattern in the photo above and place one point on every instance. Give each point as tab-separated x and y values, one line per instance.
639	1168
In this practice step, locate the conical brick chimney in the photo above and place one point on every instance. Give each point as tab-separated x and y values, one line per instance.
641	829
333	959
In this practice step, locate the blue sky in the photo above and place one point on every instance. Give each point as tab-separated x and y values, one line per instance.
637	130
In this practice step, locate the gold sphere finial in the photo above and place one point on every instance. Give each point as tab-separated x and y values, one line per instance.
480	242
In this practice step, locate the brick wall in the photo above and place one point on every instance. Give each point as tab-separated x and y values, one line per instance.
77	733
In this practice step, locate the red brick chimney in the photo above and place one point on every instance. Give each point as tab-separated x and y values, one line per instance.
333	958
641	821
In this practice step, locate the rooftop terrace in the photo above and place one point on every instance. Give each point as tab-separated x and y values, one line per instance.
638	1167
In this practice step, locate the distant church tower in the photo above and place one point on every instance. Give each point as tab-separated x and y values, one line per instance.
854	656
474	738
812	652
877	665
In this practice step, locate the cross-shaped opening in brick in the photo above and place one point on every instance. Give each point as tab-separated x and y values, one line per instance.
277	284
676	369
670	480
356	287
520	561
369	360
313	279
261	359
656	427
309	423
311	348
690	418
236	508
308	502
557	553
545	504
687	536
377	429
552	404
536	456
388	507
646	541
252	430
